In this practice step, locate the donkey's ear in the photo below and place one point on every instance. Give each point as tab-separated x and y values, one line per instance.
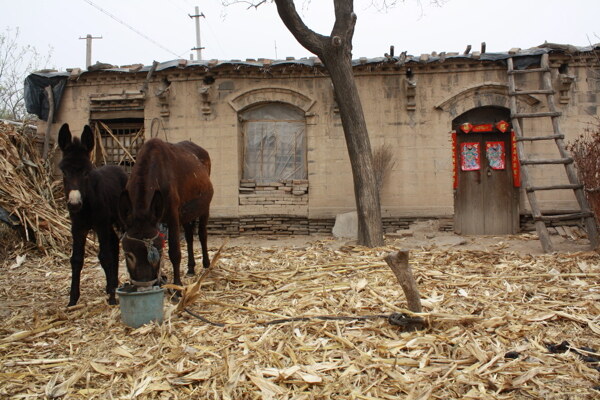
87	138
64	137
125	209
157	206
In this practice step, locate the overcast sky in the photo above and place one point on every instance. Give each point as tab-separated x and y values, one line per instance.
141	31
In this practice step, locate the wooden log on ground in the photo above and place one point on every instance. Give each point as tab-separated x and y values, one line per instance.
398	262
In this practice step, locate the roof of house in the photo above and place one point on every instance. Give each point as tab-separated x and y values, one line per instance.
520	55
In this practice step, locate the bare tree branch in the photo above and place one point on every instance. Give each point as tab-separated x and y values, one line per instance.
16	62
250	4
312	41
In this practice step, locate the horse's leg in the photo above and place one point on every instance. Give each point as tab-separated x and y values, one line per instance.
109	260
189	239
79	235
203	236
174	246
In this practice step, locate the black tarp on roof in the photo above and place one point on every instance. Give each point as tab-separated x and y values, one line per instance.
36	100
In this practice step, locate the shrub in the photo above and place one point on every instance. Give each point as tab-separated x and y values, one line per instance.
586	153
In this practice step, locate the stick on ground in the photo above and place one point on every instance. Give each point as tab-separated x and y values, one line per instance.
398	262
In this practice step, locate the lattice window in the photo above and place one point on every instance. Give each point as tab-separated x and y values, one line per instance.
118	142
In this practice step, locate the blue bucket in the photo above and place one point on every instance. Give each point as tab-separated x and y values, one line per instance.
139	308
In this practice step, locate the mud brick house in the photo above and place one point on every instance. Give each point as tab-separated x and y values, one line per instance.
273	130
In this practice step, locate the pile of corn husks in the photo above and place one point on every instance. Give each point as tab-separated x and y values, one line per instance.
30	192
497	323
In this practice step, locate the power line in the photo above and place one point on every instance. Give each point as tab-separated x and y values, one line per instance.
180	55
130	27
175	5
214	36
216	39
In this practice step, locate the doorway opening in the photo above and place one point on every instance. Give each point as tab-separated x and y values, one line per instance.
486	173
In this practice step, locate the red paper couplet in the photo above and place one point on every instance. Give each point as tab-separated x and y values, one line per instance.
516	167
454	162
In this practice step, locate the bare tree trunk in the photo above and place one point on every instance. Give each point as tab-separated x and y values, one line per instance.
336	53
370	230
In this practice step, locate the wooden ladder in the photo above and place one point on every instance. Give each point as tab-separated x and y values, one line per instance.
565	158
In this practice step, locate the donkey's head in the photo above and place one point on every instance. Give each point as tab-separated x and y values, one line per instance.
142	242
75	164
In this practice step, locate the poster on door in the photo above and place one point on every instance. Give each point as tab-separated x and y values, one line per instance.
470	157
496	154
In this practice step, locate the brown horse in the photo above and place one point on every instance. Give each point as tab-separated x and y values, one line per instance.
92	198
169	183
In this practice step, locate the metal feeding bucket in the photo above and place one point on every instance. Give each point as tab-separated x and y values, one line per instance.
140	307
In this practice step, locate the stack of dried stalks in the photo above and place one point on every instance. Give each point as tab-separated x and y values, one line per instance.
493	315
28	190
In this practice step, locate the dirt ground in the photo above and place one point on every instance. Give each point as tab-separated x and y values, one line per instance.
504	321
426	234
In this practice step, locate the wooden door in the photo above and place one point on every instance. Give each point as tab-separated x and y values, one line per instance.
486	197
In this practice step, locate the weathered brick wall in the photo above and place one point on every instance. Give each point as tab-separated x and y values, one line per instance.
287	192
286	225
299	225
269	225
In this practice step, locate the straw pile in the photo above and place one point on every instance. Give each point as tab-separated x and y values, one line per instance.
493	316
30	192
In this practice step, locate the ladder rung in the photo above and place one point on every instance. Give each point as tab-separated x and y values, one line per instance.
564	217
537	115
532	138
554	187
539	91
526	71
567	160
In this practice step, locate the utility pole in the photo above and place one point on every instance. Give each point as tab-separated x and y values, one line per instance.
88	48
198	47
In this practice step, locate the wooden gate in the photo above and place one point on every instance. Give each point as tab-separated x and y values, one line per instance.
486	178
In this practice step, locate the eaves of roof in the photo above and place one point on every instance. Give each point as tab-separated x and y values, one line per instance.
313	62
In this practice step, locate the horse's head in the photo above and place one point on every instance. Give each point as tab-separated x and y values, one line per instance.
75	164
142	242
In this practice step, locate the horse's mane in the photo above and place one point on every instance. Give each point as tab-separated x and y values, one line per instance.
152	156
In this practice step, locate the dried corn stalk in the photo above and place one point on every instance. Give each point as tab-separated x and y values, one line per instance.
30	192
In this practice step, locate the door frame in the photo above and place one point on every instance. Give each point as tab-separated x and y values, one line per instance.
475	212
